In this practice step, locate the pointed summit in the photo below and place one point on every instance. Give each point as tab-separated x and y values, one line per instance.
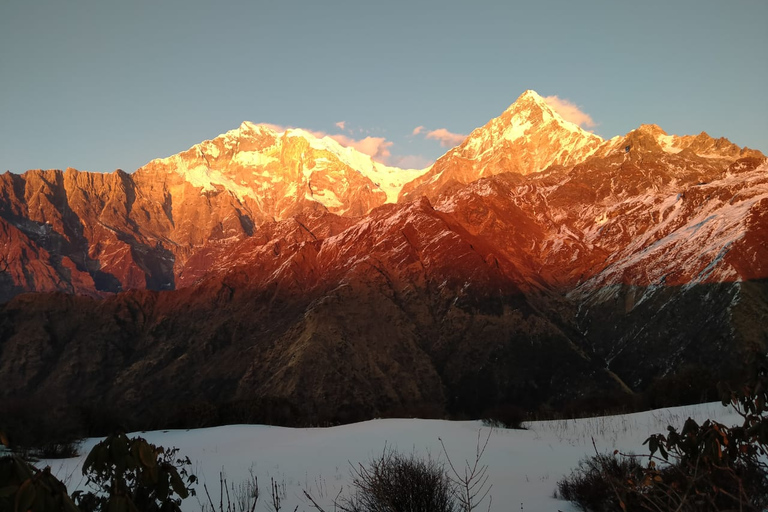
529	117
530	99
527	137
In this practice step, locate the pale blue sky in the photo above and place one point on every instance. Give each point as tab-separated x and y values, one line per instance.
100	85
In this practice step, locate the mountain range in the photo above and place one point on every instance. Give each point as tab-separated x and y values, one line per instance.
269	275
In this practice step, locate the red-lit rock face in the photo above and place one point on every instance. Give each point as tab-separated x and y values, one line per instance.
139	230
594	206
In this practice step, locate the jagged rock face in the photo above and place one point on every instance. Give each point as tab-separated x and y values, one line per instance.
527	138
27	267
532	264
145	230
665	260
74	217
272	175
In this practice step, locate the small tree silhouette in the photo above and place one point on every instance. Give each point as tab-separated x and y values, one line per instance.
134	475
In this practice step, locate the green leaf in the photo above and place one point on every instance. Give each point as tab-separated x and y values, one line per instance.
162	487
178	484
653	445
96	459
147	455
153	473
25	497
119	453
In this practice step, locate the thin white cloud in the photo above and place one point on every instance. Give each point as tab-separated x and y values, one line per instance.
417	130
447	139
376	147
280	129
341	124
570	112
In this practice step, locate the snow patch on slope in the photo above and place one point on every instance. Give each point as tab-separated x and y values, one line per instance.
389	179
253	159
207	179
688	239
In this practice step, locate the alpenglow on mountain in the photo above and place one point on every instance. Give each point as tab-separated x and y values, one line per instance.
275	276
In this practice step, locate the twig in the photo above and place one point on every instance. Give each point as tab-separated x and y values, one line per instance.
213	509
314	503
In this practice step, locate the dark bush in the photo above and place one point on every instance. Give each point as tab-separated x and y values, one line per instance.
132	474
505	416
126	475
55	450
592	484
709	467
603	483
690	384
25	487
603	404
400	483
37	430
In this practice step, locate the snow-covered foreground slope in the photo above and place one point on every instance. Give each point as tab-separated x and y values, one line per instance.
524	465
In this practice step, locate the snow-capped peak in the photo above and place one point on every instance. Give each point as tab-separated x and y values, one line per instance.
529	100
249	126
251	162
530	105
527	120
527	137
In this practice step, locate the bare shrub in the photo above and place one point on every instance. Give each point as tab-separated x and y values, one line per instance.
591	484
470	485
395	482
505	416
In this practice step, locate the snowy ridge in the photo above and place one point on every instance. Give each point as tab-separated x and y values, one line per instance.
248	160
387	178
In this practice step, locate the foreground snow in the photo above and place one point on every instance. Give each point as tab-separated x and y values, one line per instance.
524	465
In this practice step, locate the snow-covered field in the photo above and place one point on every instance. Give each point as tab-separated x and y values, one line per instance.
524	465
